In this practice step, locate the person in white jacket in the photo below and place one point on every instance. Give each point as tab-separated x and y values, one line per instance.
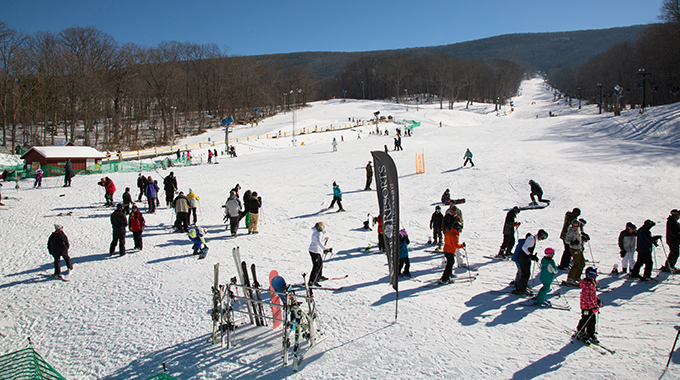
316	248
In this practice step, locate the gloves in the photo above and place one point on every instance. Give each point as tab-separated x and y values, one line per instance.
463	245
533	257
516	224
623	253
599	302
585	237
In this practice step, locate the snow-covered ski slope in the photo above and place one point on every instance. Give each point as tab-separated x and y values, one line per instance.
122	317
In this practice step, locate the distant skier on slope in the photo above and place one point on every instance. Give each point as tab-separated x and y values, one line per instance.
468	158
337	197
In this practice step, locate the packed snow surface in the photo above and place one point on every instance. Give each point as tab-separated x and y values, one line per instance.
122	317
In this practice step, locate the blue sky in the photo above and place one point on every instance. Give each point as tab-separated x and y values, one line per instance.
250	27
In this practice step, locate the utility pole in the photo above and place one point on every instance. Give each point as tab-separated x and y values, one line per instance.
643	73
600	104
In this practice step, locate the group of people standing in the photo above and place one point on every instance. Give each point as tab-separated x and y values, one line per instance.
249	209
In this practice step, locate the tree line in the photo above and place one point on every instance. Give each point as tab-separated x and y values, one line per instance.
441	78
646	71
80	85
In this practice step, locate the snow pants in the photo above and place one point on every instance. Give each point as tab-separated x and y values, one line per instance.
507	245
336	199
137	236
317	267
543	293
672	255
644	258
151	205
252	227
448	270
118	239
233	224
57	263
628	261
579	263
566	256
586	326
525	269
437	236
405	263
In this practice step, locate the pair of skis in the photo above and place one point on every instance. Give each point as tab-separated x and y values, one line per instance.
221	315
255	309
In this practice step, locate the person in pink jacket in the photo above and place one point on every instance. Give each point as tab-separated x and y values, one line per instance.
590	304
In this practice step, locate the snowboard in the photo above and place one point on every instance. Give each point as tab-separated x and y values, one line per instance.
202	253
276	310
532	206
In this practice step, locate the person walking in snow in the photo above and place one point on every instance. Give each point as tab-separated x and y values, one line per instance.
337	197
537	192
548	271
118	223
576	238
255	203
193	203
181	206
197	236
127	199
233	212
436	226
38	177
404	261
68	173
590	304
627	243
645	240
566	255
170	187
468	158
369	176
109	190
57	246
525	257
451	245
509	227
246	206
316	248
141	184
151	191
136	222
673	241
210	156
335	145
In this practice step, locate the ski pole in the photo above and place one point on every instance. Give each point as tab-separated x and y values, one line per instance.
468	265
584	326
664	249
672	349
591	253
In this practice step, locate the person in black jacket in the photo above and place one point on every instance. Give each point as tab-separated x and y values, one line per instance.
170	186
436	226
255	203
57	246
141	184
127	199
536	191
509	233
673	241
645	240
119	223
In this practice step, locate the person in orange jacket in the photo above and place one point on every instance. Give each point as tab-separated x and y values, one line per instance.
451	245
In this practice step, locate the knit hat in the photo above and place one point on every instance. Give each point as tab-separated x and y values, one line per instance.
58	227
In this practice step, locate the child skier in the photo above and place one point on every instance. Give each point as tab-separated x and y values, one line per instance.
590	303
548	271
403	253
337	197
196	235
451	245
436	227
627	242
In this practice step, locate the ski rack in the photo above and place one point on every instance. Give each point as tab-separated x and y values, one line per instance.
302	323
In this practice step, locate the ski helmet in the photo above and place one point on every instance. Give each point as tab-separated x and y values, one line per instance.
457	226
542	234
402	232
591	272
631	226
437	208
549	252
